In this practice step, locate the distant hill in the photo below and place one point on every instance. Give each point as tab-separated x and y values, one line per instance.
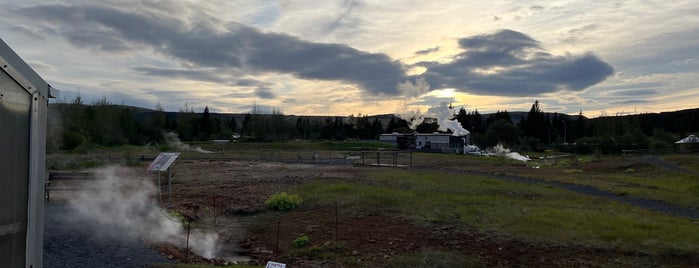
682	121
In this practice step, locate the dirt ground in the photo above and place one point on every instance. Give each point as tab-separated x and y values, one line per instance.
229	196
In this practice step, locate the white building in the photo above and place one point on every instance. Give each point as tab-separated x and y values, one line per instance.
434	142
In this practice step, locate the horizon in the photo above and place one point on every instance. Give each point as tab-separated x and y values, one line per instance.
364	57
455	109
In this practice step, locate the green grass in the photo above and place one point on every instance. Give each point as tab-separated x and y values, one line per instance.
526	211
673	187
294	145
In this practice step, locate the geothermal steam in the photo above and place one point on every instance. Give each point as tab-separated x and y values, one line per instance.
123	207
173	140
502	151
444	116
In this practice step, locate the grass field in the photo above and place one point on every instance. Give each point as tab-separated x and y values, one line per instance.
460	211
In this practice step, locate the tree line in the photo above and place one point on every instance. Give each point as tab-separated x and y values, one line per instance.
76	125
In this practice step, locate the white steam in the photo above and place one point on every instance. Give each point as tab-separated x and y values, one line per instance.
499	150
442	113
123	206
174	140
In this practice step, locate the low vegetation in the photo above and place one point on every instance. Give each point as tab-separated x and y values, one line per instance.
460	210
283	201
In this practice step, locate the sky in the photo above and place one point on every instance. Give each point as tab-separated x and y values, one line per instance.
364	57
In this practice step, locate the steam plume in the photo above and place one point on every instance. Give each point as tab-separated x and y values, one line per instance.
499	150
123	207
173	140
443	115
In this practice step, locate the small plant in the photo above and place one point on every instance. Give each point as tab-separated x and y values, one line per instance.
301	241
283	201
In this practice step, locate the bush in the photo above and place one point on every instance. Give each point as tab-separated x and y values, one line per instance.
283	201
72	139
301	241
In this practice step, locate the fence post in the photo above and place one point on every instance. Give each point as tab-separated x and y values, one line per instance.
276	252
186	249
213	205
336	237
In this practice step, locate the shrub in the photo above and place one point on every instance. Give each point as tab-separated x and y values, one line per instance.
283	201
301	241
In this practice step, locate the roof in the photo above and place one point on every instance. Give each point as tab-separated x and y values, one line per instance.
689	139
19	70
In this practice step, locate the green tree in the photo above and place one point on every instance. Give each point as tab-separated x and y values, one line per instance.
205	125
536	125
501	132
428	125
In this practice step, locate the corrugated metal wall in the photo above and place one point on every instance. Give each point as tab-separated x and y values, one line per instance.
15	104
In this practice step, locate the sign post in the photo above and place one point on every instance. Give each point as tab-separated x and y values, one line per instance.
160	164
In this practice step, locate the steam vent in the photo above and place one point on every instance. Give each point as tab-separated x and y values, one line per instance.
23	106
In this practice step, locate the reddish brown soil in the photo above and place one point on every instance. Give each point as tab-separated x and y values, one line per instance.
362	238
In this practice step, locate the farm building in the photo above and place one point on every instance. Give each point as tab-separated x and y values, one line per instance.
23	107
401	141
434	142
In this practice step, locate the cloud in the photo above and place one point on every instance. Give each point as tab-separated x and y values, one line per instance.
179	73
427	51
635	92
670	52
510	63
112	29
246	82
629	102
506	63
265	93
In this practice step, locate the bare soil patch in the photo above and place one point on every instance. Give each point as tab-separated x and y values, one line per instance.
234	192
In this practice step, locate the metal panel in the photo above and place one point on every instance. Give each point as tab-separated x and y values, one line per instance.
163	162
15	105
23	107
37	181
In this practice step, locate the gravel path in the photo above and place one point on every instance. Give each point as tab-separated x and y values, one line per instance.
662	163
80	244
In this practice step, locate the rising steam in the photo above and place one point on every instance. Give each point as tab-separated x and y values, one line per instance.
123	206
499	150
174	140
442	113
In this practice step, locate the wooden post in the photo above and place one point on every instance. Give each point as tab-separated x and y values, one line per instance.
186	249
336	237
276	252
213	205
169	185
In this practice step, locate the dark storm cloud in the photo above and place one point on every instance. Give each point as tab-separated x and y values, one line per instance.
507	63
510	63
242	47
